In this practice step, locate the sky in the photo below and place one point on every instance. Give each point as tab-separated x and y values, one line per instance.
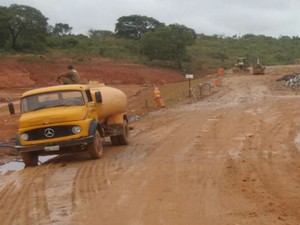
222	17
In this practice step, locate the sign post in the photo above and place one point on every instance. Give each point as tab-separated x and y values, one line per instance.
189	76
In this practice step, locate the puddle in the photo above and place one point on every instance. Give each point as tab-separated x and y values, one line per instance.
19	165
11	166
297	141
234	154
43	159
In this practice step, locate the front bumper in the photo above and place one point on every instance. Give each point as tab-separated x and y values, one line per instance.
61	144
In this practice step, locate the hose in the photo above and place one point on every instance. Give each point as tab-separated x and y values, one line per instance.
8	144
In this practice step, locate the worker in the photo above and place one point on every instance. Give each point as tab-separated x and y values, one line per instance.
156	92
157	98
69	77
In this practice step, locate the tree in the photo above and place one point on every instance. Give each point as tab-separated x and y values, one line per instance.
4	32
168	43
61	29
24	19
134	26
99	34
248	37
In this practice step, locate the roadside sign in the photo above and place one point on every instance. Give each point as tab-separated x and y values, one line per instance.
189	76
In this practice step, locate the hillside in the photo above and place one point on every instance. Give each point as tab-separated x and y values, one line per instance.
28	71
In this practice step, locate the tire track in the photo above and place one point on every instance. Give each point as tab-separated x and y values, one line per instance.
59	187
173	157
35	209
41	206
259	175
19	198
88	181
6	193
79	192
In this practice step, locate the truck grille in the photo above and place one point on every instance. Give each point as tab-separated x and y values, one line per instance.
49	133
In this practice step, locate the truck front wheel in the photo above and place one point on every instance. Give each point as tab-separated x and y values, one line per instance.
95	148
30	159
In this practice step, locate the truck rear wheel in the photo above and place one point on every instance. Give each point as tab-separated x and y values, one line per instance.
123	138
30	159
95	148
114	140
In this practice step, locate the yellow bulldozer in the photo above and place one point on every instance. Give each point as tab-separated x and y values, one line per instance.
258	68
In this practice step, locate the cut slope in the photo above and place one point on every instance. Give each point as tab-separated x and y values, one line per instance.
17	73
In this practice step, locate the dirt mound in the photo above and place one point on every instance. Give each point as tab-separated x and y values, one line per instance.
19	71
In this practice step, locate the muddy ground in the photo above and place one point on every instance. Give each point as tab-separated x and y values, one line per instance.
229	158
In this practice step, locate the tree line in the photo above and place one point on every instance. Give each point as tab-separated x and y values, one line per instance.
142	39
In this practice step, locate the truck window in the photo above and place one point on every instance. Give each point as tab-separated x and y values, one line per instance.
89	95
48	97
51	99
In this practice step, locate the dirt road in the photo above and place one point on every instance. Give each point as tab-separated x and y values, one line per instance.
231	158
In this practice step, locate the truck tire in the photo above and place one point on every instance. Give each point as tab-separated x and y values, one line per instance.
95	148
123	138
30	159
114	140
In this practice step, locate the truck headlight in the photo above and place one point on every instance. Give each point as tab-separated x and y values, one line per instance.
24	137
76	129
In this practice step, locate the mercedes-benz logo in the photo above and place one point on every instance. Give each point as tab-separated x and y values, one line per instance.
49	132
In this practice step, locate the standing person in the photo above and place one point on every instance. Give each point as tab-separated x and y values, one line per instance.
159	101
70	77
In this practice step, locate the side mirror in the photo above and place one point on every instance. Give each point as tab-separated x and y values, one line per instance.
11	108
98	97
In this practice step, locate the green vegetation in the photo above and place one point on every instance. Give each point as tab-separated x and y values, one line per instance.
19	23
222	51
168	43
140	39
135	26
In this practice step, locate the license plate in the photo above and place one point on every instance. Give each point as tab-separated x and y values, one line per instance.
52	148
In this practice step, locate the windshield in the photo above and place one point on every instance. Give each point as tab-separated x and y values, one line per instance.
51	99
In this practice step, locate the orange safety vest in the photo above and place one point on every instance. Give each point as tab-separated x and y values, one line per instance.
220	71
156	92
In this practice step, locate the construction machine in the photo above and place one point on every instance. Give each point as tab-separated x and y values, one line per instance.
241	65
258	68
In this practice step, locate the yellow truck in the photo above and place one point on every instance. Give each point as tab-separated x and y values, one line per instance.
70	118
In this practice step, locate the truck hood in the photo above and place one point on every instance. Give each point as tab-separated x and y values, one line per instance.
52	116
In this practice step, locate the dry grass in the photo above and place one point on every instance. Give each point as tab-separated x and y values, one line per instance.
141	98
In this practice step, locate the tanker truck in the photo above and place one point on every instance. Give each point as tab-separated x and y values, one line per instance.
70	118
